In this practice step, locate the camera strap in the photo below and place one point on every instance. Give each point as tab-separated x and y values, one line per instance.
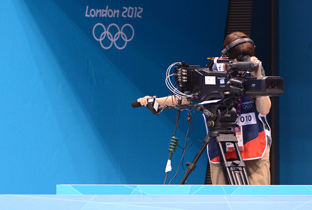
238	131
239	107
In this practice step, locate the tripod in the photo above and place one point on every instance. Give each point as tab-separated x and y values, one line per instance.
220	130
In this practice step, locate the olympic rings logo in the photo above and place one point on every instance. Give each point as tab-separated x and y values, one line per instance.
247	106
109	37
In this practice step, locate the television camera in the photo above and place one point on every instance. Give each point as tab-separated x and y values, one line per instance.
225	80
215	90
196	83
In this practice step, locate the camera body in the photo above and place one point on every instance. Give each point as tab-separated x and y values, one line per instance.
197	82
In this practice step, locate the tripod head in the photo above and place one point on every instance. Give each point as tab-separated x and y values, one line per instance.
222	114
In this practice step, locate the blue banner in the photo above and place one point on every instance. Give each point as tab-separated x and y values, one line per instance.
70	70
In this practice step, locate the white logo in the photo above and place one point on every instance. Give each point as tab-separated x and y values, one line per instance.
247	105
113	35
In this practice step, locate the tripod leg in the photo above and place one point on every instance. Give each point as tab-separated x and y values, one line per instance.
235	171
208	174
227	173
241	169
191	166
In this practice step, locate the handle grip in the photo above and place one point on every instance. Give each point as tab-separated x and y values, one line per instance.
135	104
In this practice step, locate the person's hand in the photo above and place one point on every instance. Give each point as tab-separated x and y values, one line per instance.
144	101
256	73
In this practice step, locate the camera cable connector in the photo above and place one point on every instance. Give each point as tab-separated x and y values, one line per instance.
172	148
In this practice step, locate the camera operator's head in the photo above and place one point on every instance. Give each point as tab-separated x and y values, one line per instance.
238	44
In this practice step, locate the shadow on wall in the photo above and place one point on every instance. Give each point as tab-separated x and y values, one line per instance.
105	82
102	83
81	64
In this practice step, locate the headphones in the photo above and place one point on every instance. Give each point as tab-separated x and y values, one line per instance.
225	52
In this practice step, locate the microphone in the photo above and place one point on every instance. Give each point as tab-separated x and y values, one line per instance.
135	104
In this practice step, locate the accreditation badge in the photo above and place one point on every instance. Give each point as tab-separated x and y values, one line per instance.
242	120
239	135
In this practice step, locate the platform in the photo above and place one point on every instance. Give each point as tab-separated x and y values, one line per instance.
191	196
65	189
165	197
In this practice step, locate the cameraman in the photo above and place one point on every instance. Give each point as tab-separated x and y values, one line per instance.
255	134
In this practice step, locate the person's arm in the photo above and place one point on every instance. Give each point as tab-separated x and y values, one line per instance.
263	103
163	101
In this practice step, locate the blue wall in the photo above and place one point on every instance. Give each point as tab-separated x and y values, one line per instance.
65	101
295	104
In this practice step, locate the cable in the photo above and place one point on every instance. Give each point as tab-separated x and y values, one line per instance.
187	137
166	177
183	153
173	142
178	96
194	143
169	84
